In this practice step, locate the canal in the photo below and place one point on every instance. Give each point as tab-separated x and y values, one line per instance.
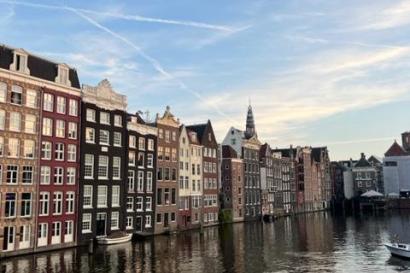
316	242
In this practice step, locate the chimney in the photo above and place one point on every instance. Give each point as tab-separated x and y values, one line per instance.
362	156
405	139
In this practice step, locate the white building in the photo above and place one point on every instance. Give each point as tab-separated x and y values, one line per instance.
396	170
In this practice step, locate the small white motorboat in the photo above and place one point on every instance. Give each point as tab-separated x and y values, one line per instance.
116	238
399	249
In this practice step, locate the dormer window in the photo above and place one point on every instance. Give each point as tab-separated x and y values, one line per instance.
19	64
63	75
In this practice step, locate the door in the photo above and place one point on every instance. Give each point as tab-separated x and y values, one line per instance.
101	223
9	235
68	236
166	223
138	226
42	234
56	233
25	233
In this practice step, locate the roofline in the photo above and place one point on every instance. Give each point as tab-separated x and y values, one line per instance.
37	56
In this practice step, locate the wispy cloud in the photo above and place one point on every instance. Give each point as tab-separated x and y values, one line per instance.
136	18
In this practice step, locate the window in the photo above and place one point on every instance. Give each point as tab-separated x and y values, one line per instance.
149	182
116	167
44	199
167	154
167	136
159	196
130	204
104	118
115	198
141	143
129	224
104	137
174	154
148	221
173	197
141	160
30	124
102	196
48	102
25	209
131	181
86	223
58	175
148	203
47	127
88	196
73	108
118	120
150	161
27	175
166	196
89	166
160	153
46	150
45	175
57	203
60	128
15	122
117	139
1	146
10	206
103	167
60	105
3	92
28	149
90	115
69	200
150	144
159	218
72	130
63	75
70	175
160	133
71	153
89	135
132	141
59	151
16	94
174	136
12	174
115	215
140	182
139	203
2	119
131	158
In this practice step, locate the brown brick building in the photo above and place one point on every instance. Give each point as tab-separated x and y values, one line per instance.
233	195
166	208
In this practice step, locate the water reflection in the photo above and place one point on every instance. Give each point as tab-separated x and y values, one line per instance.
312	243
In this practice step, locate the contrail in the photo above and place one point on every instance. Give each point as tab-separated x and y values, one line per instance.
136	18
155	63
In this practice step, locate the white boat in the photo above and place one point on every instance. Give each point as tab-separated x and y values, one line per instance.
399	249
114	239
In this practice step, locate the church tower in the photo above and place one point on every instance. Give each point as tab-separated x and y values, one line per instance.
250	124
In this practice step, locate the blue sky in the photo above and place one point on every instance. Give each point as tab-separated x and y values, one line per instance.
317	72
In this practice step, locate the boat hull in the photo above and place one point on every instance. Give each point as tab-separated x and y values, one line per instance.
113	241
396	251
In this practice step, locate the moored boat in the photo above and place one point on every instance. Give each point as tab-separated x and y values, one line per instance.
115	238
399	249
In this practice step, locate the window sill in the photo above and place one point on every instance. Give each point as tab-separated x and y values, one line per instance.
86	231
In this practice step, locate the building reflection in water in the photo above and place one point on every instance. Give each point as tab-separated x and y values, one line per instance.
310	243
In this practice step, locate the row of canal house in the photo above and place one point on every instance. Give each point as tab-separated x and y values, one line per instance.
75	165
258	181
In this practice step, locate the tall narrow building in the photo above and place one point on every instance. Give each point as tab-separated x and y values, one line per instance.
26	196
166	209
141	166
104	153
210	206
250	154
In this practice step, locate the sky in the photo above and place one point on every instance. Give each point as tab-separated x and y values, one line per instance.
317	72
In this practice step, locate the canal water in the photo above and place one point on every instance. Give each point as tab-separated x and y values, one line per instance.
317	242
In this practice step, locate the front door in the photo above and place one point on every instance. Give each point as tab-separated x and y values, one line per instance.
166	223
139	224
42	234
69	226
9	234
101	222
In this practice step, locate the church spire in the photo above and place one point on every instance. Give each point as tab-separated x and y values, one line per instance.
250	123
